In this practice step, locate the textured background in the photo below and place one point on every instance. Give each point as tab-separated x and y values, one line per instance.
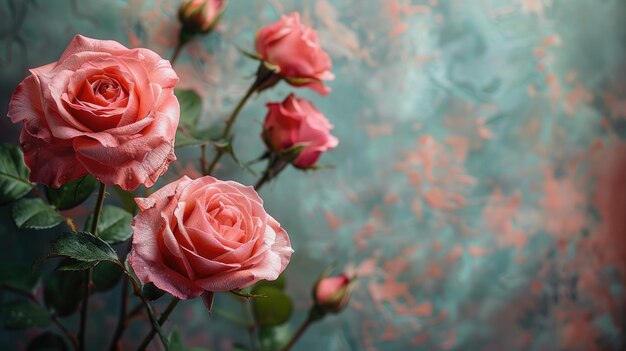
480	182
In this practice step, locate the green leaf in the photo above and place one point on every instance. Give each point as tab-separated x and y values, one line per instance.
83	247
18	276
279	283
151	292
113	225
24	314
47	341
14	181
127	198
186	136
73	193
105	276
190	107
64	290
176	343
35	214
273	309
274	338
70	264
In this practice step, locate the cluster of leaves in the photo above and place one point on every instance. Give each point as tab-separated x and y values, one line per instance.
36	207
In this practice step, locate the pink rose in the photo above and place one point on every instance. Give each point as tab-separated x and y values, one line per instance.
333	293
296	122
293	51
206	235
200	15
101	109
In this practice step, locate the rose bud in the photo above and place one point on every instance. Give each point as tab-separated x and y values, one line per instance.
291	50
200	16
102	109
206	235
331	294
296	123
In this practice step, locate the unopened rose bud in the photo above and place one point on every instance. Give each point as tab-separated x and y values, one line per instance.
332	294
200	16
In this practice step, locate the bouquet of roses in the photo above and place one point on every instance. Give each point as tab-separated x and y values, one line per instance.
105	120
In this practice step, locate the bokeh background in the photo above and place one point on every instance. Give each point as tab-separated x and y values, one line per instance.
479	188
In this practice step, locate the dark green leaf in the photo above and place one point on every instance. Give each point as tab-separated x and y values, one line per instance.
274	338
151	292
240	347
70	264
24	314
64	291
273	309
127	198
47	341
113	225
35	214
176	343
73	193
14	181
105	276
83	247
18	276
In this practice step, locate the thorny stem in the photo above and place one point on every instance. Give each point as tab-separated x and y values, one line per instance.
162	319
82	329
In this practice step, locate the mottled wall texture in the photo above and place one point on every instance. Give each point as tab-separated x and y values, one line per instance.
479	188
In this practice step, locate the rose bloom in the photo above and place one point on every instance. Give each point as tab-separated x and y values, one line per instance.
296	122
200	15
206	234
293	51
101	109
333	293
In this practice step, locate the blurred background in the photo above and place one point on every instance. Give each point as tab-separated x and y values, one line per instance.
479	188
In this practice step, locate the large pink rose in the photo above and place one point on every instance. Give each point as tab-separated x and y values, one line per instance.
200	15
294	52
206	235
101	109
296	122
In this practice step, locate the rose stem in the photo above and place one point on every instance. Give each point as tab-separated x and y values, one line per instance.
229	125
155	324
177	50
298	334
122	323
258	84
29	295
262	180
162	320
94	231
251	324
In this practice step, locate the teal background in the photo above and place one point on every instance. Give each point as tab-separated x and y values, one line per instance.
479	184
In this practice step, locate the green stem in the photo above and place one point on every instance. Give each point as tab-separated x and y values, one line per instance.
82	329
176	53
146	341
121	323
250	322
155	324
262	180
229	124
298	334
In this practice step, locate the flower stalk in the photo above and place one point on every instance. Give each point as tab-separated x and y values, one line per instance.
82	330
